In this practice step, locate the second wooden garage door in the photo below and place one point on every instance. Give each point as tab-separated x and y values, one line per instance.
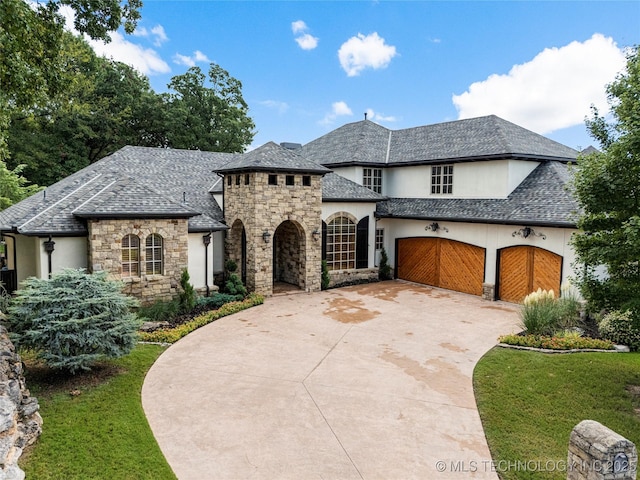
524	269
442	263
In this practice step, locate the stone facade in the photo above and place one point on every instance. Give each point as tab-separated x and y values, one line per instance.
278	220
20	422
489	291
598	453
105	253
349	277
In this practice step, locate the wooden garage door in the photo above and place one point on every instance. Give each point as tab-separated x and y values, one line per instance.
442	263
524	269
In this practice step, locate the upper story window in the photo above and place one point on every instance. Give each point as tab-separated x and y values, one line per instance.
229	180
273	179
130	256
379	238
154	254
306	180
442	179
372	179
289	180
247	179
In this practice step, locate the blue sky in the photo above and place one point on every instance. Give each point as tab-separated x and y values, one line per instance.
308	67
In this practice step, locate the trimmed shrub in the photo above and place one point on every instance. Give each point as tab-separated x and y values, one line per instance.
73	320
384	270
234	286
217	300
160	311
325	279
172	335
570	341
187	297
620	328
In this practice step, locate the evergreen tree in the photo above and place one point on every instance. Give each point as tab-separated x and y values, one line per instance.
73	319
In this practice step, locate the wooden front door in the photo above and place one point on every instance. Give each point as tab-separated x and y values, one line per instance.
442	263
524	269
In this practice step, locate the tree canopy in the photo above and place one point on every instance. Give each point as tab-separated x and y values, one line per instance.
607	187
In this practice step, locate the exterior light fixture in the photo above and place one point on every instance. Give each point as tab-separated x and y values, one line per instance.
316	235
206	239
49	247
265	236
434	227
526	232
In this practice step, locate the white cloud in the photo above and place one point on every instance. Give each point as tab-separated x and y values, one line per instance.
362	52
553	91
159	34
145	60
379	117
338	109
281	107
298	26
190	61
305	40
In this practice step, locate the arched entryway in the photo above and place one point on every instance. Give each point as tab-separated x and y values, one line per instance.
523	269
238	248
289	255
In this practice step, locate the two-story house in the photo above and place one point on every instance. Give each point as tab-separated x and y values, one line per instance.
478	206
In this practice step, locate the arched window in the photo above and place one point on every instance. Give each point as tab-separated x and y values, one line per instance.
130	256
341	244
154	254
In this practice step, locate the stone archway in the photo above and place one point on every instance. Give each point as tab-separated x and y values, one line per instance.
237	248
289	254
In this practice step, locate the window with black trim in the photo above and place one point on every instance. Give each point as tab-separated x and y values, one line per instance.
237	179
289	180
273	179
130	245
372	179
154	254
246	179
442	179
379	238
341	244
306	180
229	180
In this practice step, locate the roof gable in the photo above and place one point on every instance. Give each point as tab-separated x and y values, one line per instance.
271	157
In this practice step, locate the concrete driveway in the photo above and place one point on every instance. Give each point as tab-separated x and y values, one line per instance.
364	382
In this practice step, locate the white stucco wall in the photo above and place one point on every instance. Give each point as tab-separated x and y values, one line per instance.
27	257
69	252
490	179
353	173
215	258
358	210
490	237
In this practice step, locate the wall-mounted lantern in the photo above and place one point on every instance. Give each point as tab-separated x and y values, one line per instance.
434	227
526	232
49	247
266	236
316	235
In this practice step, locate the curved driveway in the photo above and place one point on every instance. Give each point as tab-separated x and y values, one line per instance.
362	382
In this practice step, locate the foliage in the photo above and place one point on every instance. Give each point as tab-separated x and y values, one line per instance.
543	314
187	297
5	301
607	189
13	186
217	300
73	319
159	311
30	35
621	328
384	270
208	118
231	266
100	433
325	279
234	286
564	341
172	335
529	402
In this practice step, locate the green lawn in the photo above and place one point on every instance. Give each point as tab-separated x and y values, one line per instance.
529	402
100	431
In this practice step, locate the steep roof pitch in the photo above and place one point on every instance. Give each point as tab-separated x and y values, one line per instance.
541	199
177	180
271	158
482	138
336	188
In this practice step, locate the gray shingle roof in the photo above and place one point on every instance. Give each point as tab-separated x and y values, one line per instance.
336	188
541	199
272	157
170	176
489	137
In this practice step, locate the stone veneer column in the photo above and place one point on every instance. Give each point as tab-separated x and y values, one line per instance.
262	207
105	253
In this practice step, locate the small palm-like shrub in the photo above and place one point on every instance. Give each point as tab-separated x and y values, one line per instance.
620	328
73	320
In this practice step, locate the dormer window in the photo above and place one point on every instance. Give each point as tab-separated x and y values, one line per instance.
372	179
441	179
